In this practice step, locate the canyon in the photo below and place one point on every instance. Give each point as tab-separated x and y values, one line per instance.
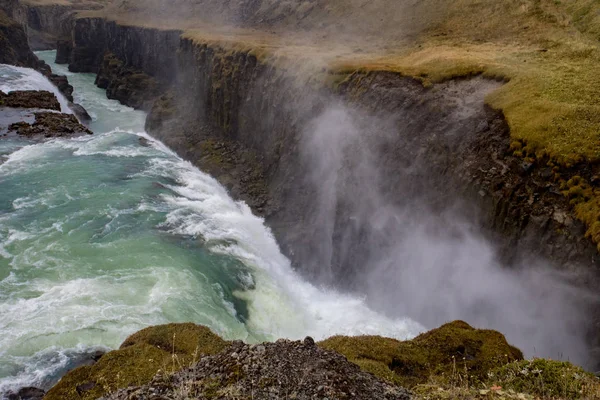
369	178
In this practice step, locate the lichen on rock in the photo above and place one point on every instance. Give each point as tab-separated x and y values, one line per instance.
441	352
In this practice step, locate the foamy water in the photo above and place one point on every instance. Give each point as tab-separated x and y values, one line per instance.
101	236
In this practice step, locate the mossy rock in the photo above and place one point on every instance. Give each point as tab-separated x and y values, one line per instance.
166	348
183	339
453	349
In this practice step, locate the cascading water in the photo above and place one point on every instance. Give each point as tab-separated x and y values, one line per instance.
103	235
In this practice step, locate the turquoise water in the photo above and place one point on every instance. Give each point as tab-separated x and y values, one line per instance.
103	235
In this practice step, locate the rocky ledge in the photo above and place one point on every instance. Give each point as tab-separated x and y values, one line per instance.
50	125
30	99
187	361
20	114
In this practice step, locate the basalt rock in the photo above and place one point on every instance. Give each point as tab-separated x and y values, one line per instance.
63	51
14	48
30	99
80	112
28	393
50	125
127	84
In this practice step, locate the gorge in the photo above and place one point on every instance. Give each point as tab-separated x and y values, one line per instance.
403	202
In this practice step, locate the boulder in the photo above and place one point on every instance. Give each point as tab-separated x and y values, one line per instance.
442	352
136	362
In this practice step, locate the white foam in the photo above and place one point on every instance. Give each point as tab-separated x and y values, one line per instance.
281	303
18	78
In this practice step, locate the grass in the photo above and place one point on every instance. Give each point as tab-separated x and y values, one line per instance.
457	361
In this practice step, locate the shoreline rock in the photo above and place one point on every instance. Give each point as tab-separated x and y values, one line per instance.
50	125
30	99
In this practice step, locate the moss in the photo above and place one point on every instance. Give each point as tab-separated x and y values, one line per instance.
166	348
546	379
441	352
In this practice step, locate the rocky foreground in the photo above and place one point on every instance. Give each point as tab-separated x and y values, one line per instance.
285	369
187	361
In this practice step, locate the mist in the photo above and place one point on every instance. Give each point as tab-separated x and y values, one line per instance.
411	257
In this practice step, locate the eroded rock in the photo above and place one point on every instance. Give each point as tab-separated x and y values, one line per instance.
30	99
50	125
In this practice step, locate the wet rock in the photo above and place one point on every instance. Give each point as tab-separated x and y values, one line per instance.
62	83
80	112
50	125
30	99
63	51
126	84
14	47
28	393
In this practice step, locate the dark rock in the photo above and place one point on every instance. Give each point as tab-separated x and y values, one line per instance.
128	85
80	112
30	99
50	125
308	341
28	393
526	167
62	83
63	51
97	355
14	47
86	387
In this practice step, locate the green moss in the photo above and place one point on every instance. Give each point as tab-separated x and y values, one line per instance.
442	352
546	379
166	348
185	339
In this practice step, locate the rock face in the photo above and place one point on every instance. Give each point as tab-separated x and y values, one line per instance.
284	369
63	51
14	48
126	84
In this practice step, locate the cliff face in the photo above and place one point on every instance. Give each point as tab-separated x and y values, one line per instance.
45	24
14	49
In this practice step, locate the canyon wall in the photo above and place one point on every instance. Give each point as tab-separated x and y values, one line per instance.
259	109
